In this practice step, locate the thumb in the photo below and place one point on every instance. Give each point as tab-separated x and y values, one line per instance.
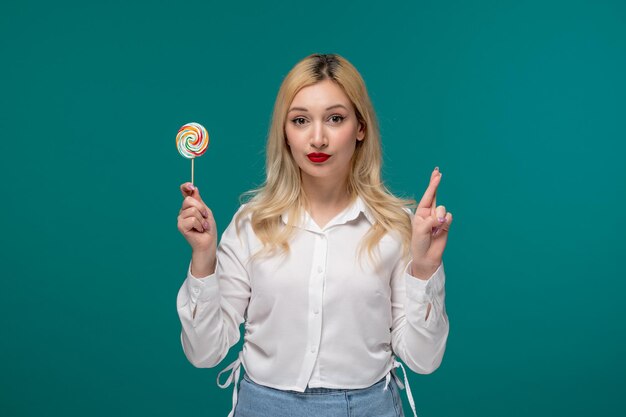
189	190
195	194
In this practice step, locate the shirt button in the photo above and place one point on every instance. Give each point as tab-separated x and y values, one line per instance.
313	349
316	311
195	291
320	269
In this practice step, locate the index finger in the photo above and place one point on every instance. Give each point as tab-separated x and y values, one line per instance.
430	194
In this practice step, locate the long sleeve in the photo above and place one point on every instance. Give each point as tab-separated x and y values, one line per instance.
419	341
219	302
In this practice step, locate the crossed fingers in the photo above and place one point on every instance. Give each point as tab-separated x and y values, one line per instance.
428	205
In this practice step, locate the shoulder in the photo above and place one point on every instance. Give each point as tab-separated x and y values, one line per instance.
239	222
243	216
239	234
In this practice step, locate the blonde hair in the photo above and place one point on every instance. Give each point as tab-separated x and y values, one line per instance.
282	192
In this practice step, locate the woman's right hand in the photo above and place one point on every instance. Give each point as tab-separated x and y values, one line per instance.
197	225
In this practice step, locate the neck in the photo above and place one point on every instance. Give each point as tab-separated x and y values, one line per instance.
324	194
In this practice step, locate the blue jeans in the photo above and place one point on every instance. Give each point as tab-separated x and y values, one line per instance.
260	401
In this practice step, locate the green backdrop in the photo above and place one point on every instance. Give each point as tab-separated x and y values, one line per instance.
521	104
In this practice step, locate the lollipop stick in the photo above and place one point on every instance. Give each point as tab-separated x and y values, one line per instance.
192	170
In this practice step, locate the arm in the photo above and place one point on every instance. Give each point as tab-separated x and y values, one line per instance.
420	324
211	309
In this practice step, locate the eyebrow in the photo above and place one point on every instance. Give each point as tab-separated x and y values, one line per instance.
328	108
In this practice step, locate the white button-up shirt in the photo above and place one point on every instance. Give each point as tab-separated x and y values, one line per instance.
317	316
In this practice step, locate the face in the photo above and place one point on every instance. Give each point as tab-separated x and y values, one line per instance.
322	131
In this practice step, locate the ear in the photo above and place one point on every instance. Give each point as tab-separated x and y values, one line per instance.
360	135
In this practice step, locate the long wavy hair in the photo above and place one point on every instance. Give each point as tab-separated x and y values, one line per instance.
282	191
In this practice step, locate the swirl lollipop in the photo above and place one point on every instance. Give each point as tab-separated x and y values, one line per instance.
192	140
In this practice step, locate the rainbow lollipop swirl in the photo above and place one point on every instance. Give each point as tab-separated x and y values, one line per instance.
192	140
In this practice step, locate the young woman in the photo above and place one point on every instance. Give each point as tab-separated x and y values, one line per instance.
332	275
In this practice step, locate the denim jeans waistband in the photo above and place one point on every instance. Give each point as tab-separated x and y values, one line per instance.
320	390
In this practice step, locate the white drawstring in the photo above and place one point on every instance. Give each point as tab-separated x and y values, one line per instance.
397	364
236	369
233	377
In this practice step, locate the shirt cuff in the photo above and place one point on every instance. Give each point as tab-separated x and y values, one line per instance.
201	288
422	290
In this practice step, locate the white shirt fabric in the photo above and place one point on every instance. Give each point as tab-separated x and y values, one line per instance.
317	316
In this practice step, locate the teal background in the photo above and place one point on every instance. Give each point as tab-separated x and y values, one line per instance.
520	103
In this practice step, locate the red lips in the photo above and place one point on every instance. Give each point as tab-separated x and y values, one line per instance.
318	157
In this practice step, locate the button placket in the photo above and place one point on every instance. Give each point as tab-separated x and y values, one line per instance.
316	292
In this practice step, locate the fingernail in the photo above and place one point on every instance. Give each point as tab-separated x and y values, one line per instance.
190	187
436	168
205	213
441	219
206	225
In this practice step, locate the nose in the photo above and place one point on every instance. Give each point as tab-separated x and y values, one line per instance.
318	137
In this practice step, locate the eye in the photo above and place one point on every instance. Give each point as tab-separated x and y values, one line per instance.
336	118
298	121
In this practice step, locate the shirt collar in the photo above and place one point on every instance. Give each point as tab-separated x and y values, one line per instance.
350	213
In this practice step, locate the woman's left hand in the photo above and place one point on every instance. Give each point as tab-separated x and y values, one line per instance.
431	224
